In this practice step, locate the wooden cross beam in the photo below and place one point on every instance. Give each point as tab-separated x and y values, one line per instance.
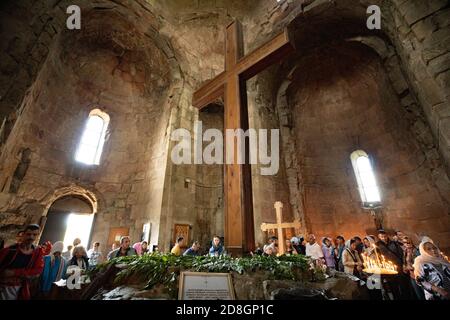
230	84
280	226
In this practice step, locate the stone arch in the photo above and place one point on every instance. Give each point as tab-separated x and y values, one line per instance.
351	17
121	33
378	45
73	190
409	101
76	191
49	30
307	28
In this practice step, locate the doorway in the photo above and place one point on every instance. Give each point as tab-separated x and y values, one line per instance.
68	218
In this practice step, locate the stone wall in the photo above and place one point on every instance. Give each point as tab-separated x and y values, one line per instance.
130	79
342	103
47	91
420	32
209	194
27	29
268	189
319	23
178	202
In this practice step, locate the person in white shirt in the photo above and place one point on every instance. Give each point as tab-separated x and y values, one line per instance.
313	249
67	254
95	255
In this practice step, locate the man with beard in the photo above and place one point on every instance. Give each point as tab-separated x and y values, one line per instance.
20	264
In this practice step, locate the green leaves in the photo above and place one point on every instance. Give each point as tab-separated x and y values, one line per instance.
158	268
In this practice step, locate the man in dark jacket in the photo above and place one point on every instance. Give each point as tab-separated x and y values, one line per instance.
398	284
124	250
390	249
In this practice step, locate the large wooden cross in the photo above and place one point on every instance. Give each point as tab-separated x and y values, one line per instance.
230	84
279	226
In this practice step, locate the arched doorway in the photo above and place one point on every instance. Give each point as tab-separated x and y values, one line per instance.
69	217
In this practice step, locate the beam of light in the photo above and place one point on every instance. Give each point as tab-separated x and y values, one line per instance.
78	226
92	141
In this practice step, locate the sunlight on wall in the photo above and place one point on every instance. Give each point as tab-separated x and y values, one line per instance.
78	226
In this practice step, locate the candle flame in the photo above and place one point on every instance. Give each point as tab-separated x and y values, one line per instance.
378	266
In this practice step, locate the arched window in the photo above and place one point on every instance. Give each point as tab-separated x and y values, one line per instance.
91	144
365	176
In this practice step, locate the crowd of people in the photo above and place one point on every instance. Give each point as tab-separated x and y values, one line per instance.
215	250
423	271
26	268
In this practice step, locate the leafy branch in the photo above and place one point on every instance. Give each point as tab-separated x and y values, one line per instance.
158	268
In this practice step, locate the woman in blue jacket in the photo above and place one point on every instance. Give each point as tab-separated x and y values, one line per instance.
54	267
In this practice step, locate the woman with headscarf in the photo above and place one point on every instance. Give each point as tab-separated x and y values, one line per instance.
369	247
54	267
351	260
328	253
432	271
370	251
410	253
141	248
297	243
269	250
347	244
138	247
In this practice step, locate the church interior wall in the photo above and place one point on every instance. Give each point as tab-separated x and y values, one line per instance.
403	71
209	193
420	34
91	71
267	189
137	183
344	102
